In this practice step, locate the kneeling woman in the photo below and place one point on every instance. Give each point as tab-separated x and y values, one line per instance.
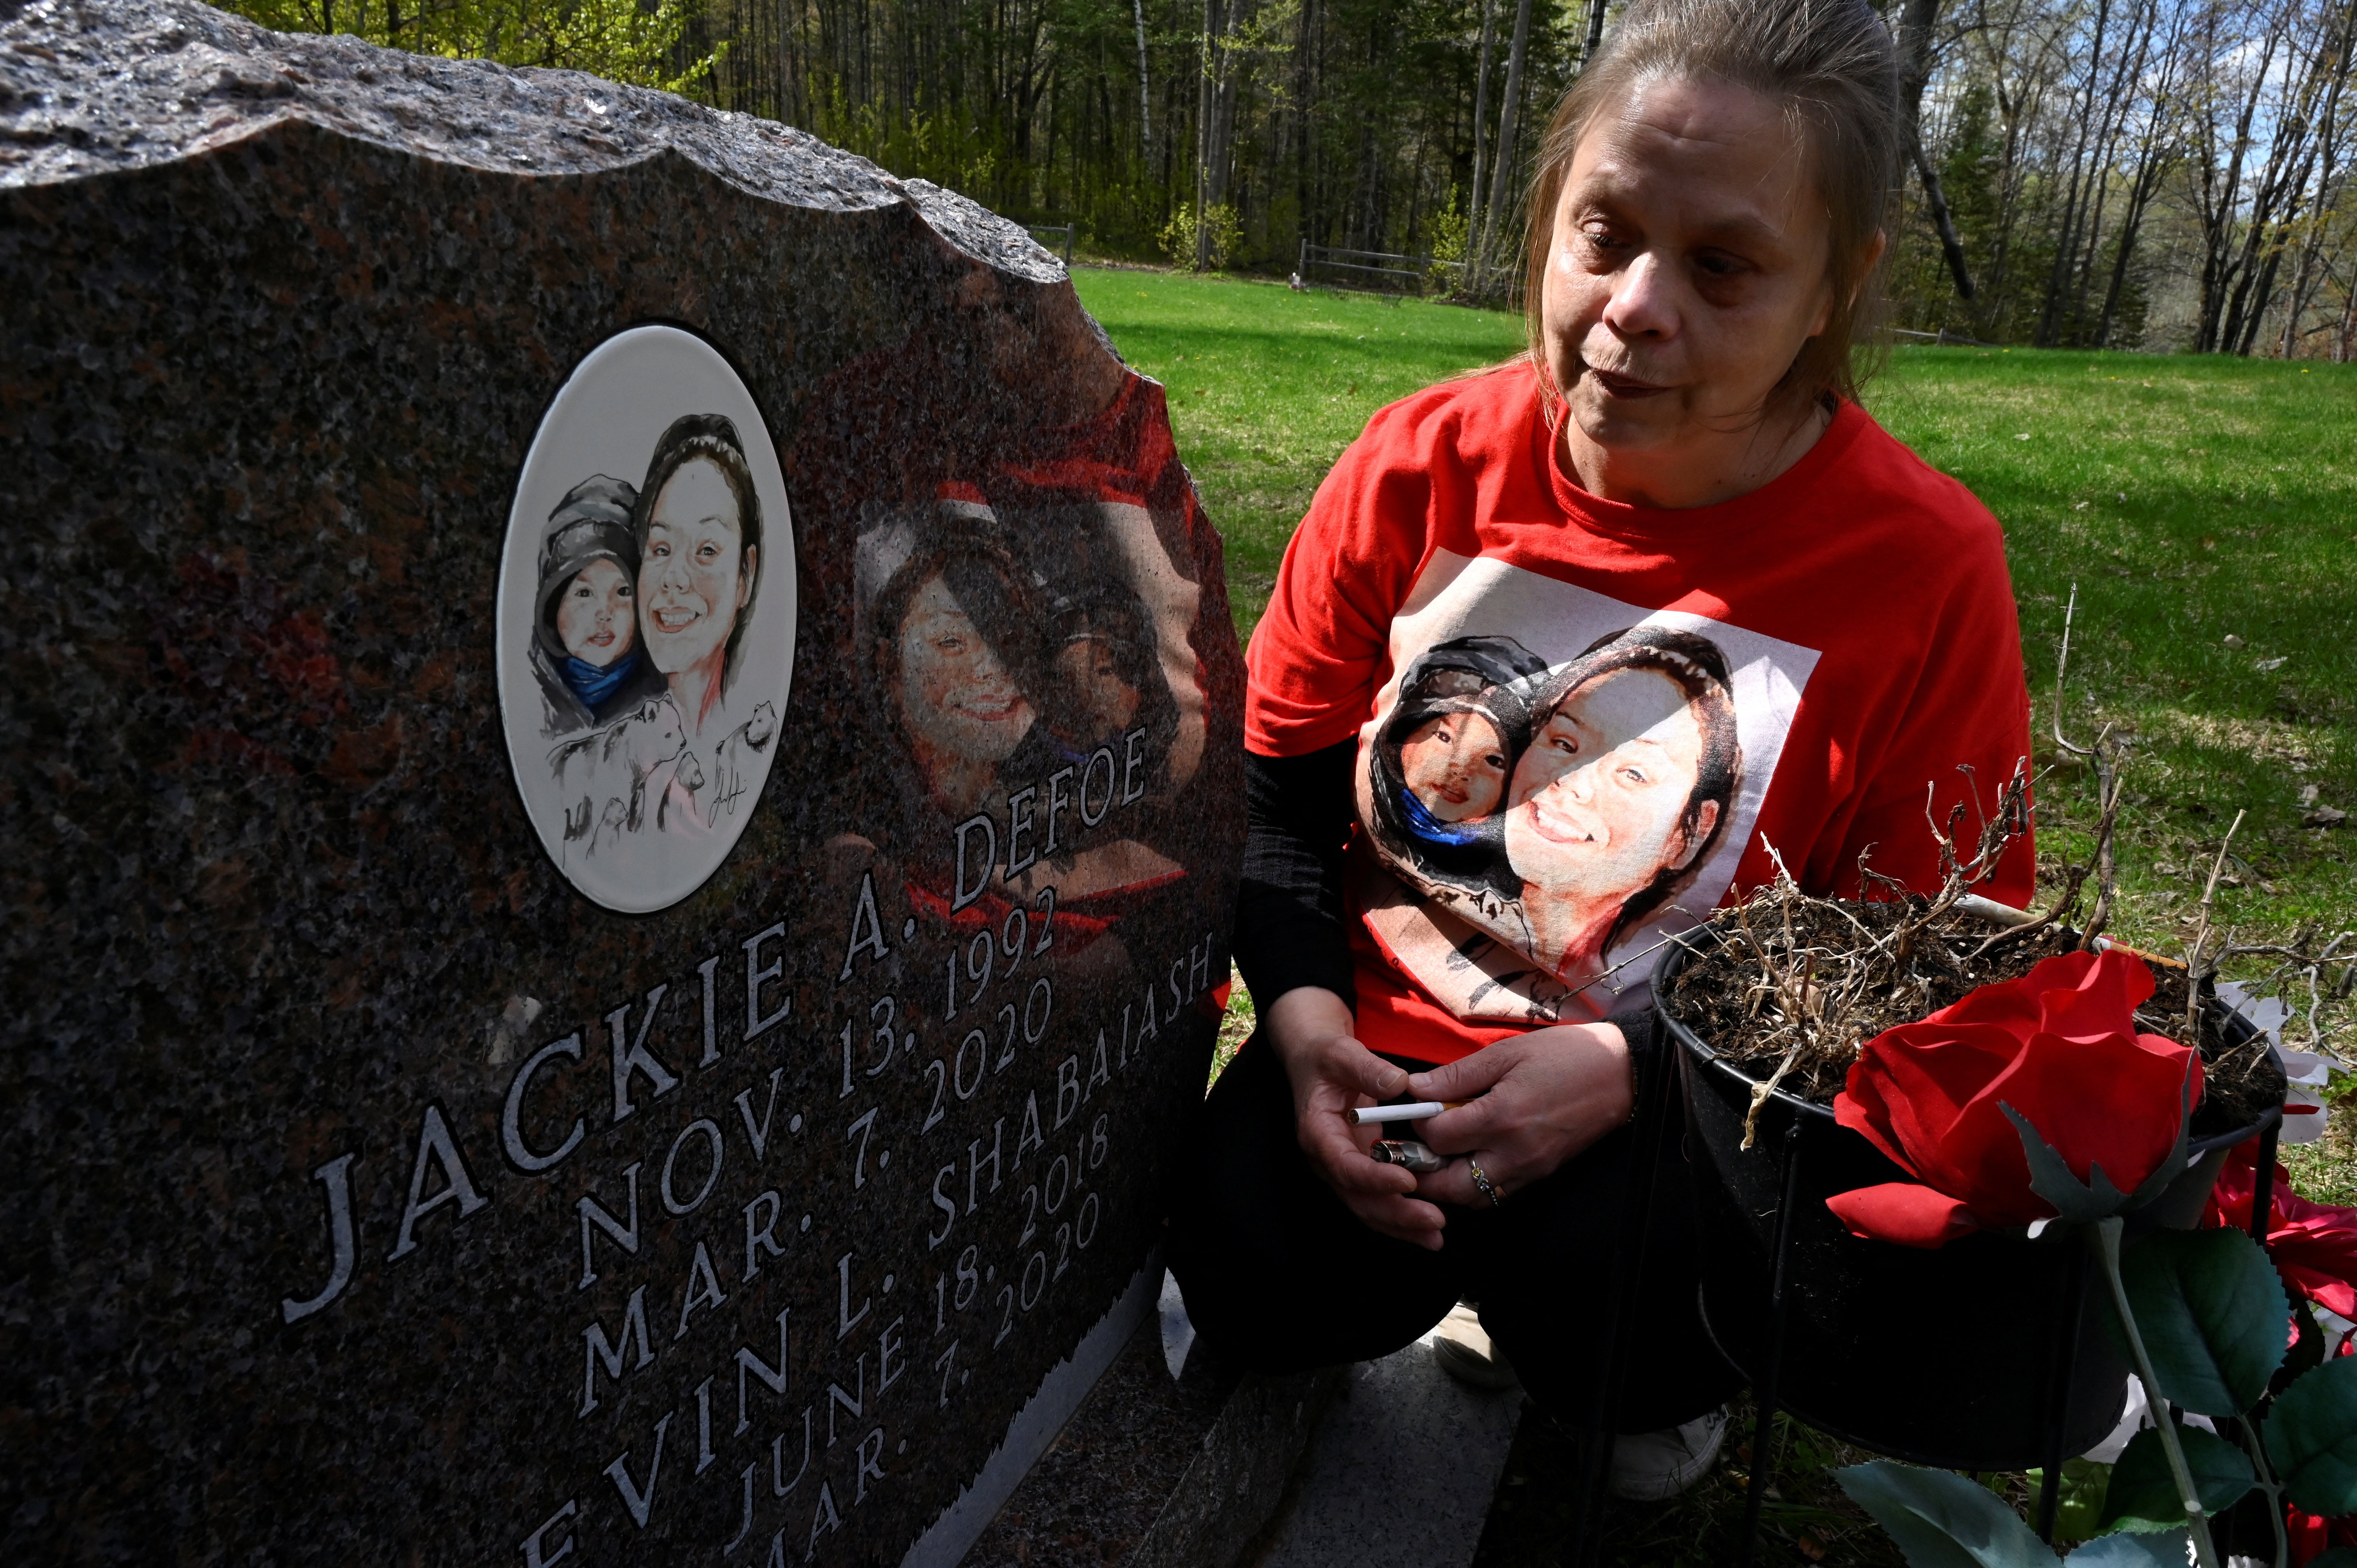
1563	656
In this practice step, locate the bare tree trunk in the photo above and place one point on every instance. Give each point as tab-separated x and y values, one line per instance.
1916	20
2347	343
1481	117
1952	247
2067	241
1508	112
2275	206
1204	139
2338	53
2124	79
2219	195
1145	87
2140	193
1224	85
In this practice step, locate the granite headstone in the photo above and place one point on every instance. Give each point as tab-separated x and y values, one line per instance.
622	796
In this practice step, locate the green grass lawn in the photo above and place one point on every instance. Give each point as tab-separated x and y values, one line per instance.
2188	500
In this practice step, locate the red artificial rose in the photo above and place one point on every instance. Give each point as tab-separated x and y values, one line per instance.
2059	1046
2312	1245
2311	1537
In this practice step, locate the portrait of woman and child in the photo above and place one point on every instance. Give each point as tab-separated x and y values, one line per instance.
645	594
1540	813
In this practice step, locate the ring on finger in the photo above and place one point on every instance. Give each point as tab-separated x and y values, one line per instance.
1489	1188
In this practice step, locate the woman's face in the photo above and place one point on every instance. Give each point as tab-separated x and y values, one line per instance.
1687	266
1455	766
597	617
697	574
955	694
1594	807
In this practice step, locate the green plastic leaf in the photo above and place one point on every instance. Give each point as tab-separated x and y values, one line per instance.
2143	1494
2213	1316
1941	1519
2312	1438
2131	1551
2306	1346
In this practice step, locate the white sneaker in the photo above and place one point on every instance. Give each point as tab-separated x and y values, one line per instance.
1462	1347
1654	1466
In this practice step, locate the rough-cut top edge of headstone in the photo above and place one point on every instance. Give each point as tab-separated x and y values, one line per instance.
91	87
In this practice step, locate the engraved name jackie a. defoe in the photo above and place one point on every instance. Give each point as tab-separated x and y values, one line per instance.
1013	1110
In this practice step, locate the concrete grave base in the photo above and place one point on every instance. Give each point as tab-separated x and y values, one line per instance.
1176	1460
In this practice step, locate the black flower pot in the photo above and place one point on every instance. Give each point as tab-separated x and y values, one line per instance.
1967	1358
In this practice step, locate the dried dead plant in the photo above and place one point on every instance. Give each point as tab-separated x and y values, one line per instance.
1805	982
1827	975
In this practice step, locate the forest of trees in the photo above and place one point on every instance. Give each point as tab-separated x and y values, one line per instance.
2157	174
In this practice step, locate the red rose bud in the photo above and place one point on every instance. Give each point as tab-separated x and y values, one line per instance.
2059	1046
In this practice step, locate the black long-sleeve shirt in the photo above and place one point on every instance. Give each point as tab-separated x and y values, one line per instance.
1289	930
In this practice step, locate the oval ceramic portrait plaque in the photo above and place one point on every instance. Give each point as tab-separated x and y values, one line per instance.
646	619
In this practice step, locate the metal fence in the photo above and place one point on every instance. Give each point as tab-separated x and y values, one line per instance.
1414	271
1943	337
1062	230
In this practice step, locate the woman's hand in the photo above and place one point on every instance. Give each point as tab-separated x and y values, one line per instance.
1543	1097
1309	1028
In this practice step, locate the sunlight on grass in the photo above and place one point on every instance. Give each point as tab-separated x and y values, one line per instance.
1236	1027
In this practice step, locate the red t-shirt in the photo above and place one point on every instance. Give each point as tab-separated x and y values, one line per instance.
1583	724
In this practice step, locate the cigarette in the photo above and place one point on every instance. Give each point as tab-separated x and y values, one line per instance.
1999	914
1418	1112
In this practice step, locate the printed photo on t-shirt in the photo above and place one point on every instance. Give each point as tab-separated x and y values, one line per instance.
1554	783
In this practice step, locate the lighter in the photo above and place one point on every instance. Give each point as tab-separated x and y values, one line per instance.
1408	1155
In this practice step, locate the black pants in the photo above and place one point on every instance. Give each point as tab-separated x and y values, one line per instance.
1280	1276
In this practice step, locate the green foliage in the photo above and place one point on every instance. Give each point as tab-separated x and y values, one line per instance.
2142	1495
641	42
1236	1025
1219	228
2311	1438
2212	1314
2079	1512
1451	233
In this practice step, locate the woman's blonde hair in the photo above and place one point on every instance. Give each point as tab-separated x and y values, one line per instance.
1831	66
